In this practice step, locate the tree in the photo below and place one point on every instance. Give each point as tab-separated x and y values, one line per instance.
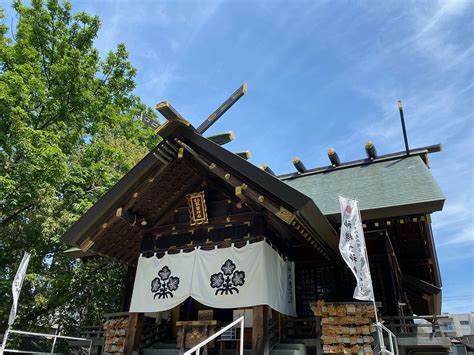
68	132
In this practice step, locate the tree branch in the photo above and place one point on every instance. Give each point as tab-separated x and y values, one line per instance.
15	214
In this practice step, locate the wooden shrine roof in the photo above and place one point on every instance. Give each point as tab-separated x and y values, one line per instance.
401	185
111	227
392	185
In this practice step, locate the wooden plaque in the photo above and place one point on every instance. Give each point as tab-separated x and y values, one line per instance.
197	208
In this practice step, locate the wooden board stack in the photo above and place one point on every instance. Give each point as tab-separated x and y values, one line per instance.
346	328
114	333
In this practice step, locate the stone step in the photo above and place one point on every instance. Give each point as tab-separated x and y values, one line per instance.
280	349
164	346
160	351
299	348
285	352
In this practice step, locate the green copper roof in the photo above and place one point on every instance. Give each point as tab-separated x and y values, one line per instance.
391	184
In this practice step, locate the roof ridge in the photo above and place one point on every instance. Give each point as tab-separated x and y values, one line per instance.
355	163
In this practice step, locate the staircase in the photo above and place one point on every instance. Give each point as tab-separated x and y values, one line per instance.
279	349
161	349
289	349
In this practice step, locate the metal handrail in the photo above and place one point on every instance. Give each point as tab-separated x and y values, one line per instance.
47	336
212	337
391	338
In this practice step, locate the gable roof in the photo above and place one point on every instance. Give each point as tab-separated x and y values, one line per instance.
398	186
102	219
391	185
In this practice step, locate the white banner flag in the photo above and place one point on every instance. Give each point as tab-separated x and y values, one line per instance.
16	286
353	249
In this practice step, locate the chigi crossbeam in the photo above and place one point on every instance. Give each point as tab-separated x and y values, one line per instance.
170	113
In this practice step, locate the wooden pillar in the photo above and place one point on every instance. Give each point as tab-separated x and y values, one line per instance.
134	332
260	330
128	289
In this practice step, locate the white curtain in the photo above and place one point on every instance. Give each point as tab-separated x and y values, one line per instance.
220	278
161	284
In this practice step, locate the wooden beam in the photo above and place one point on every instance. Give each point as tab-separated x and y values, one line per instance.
267	169
150	122
211	245
260	330
217	221
420	285
168	111
244	154
127	216
222	109
222	138
134	332
299	165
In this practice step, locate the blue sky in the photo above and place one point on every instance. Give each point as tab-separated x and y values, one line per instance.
320	74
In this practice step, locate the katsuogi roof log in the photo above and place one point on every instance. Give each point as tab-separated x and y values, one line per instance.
299	165
267	169
370	150
222	138
244	155
333	157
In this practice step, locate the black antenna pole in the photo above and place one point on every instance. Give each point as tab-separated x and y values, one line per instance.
402	118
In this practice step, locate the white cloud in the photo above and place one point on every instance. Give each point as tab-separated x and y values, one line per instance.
158	36
463	237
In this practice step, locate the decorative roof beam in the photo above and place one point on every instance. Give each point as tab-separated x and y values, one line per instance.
267	169
150	122
244	155
130	217
168	111
203	127
370	150
299	165
333	158
97	233
184	227
222	138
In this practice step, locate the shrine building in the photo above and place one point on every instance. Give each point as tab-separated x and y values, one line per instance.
208	237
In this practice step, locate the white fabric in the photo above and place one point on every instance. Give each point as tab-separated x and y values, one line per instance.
16	286
221	278
353	249
148	270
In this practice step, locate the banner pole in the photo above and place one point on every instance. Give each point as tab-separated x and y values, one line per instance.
54	342
4	342
377	324
379	332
